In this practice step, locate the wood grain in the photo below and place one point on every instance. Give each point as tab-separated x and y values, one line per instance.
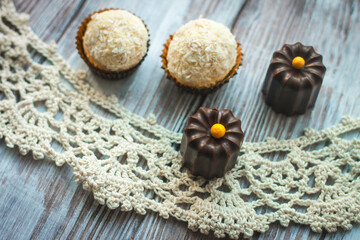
41	201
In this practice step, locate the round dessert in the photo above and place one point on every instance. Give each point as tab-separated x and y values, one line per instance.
294	78
211	142
201	55
113	42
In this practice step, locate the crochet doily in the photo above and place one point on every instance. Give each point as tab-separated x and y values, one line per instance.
132	163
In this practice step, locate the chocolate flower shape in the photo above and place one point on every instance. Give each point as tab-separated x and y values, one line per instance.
204	154
290	86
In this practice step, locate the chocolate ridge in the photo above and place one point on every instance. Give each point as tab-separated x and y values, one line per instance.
205	155
289	90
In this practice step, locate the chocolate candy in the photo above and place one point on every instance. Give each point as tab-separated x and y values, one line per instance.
211	142
294	78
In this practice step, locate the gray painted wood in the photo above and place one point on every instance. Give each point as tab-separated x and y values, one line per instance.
41	201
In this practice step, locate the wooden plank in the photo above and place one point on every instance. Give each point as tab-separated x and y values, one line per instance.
41	201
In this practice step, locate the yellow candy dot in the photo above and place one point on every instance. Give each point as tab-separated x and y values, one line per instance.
298	62
217	130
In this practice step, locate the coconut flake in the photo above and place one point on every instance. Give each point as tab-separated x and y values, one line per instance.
116	36
201	53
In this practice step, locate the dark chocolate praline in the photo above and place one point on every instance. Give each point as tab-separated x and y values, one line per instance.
211	142
294	78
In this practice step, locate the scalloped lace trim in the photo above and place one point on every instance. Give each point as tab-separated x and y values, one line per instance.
131	162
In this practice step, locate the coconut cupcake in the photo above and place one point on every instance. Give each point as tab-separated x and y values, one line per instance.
202	55
112	42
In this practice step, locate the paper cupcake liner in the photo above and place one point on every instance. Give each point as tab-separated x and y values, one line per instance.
112	75
232	72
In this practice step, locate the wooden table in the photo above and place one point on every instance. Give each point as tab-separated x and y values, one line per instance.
41	201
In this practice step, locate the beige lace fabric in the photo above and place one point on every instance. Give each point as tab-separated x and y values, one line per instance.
132	162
